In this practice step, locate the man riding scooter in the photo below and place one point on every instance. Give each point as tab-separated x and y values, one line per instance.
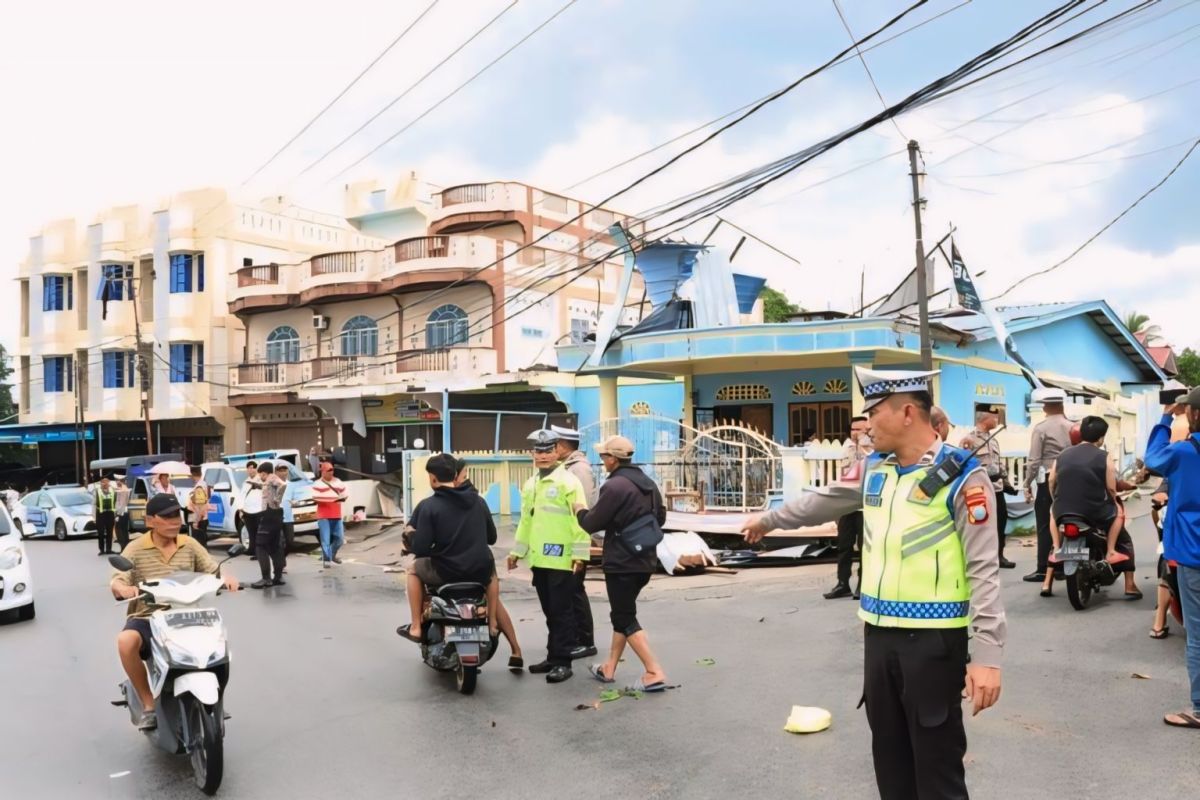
1083	483
162	551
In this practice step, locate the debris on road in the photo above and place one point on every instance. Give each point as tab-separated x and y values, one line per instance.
1140	676
808	719
708	662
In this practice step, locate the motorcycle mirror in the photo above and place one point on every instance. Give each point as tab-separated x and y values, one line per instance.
120	562
237	549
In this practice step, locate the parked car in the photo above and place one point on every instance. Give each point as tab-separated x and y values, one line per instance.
139	494
16	582
58	511
225	480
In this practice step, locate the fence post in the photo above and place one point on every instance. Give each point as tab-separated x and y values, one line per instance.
502	481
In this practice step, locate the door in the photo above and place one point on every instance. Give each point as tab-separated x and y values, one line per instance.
220	516
760	418
35	515
826	420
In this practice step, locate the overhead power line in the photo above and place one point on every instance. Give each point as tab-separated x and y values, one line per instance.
342	93
862	59
1108	225
411	87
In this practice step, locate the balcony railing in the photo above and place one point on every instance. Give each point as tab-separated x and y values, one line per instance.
339	367
261	374
334	264
423	247
431	361
258	275
470	193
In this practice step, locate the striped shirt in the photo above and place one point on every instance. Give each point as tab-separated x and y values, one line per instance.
149	564
329	495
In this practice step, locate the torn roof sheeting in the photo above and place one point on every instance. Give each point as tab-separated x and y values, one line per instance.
666	265
748	288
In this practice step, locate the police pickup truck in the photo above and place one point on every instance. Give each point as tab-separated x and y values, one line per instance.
226	480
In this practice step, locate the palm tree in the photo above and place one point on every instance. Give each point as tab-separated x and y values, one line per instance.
1140	324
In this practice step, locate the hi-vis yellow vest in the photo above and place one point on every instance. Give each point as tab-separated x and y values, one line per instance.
549	534
914	571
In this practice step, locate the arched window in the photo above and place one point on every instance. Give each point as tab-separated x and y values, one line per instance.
446	327
283	345
360	337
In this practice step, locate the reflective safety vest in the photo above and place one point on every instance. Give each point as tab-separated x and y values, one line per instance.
914	571
106	501
548	534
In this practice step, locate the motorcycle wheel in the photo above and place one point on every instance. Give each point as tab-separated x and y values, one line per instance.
1079	591
208	746
465	678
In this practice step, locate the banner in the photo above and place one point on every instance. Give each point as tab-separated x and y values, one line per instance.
970	299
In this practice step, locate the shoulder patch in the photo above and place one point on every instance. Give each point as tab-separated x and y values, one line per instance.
975	498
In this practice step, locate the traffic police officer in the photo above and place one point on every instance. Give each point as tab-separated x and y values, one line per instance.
1047	440
576	463
550	539
930	573
987	450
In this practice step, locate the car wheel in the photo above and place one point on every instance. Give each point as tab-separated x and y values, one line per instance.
60	530
20	528
26	613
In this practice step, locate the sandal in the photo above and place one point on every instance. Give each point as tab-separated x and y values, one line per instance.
516	664
597	671
1047	593
1133	595
1160	633
406	633
1184	719
654	686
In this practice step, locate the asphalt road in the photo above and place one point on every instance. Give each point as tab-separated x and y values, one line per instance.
328	701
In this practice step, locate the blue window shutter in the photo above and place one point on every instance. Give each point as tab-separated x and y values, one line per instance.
48	375
176	363
69	368
70	282
200	272
110	371
199	359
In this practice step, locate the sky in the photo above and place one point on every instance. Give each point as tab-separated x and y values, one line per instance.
120	103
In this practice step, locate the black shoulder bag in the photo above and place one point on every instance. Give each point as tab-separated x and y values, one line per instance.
643	533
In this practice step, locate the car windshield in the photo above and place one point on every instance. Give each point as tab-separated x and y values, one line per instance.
70	497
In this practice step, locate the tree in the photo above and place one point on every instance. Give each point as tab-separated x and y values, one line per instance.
1140	323
776	306
1188	363
8	409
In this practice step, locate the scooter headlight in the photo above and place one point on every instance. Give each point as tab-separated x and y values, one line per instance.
10	557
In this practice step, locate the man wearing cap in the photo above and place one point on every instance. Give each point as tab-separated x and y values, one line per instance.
550	540
987	419
1047	441
576	463
160	552
104	511
1179	464
930	577
849	526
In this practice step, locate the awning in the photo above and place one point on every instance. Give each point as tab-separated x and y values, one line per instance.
32	434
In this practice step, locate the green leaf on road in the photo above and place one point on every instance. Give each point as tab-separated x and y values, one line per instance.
706	662
608	695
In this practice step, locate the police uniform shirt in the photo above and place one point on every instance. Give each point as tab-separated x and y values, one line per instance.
1050	437
989	456
988	625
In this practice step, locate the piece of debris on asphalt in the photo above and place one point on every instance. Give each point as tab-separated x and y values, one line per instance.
808	719
393	569
121	774
608	695
493	723
709	597
708	662
762	619
587	707
1140	676
792	610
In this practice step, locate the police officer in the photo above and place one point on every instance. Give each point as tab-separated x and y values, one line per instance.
1048	439
576	463
550	539
929	571
849	526
987	419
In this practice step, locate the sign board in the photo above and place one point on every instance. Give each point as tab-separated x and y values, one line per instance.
68	435
398	409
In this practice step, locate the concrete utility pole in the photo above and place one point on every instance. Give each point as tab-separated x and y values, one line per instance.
922	287
143	367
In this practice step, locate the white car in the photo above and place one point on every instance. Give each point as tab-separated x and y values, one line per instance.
16	585
58	511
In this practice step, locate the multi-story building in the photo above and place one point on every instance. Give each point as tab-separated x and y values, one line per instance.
164	331
454	314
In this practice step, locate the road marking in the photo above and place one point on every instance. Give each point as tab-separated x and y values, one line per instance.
119	774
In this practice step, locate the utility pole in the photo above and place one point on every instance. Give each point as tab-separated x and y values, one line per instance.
914	151
143	367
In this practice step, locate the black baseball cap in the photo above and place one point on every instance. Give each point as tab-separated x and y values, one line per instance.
162	505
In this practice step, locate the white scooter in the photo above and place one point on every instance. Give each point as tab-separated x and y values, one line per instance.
188	669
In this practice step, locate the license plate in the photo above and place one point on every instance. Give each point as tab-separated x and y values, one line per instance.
472	634
1074	552
309	517
186	619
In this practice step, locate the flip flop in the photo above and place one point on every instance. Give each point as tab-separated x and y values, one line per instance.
405	633
1133	595
1160	633
1184	719
1047	593
1117	558
516	664
656	686
597	671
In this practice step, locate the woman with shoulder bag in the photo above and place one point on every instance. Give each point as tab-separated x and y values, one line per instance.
630	512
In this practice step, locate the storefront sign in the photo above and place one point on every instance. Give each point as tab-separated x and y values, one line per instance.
398	409
33	437
988	390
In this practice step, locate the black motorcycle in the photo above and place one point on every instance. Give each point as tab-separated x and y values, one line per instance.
454	633
1082	559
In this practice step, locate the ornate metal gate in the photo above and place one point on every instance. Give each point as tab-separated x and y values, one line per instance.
726	467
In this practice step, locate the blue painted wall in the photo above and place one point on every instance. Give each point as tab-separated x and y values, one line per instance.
961	387
780	383
665	400
1075	346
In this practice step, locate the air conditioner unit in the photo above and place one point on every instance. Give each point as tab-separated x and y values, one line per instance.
320	322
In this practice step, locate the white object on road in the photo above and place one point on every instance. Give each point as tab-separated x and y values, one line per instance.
675	545
808	719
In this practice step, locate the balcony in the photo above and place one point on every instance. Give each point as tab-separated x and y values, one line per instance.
336	264
478	203
270	377
461	362
468	193
258	275
422	247
439	259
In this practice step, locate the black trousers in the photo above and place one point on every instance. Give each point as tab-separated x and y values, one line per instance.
556	591
1001	517
912	686
850	530
251	523
581	607
123	531
623	589
200	532
268	541
104	530
1041	511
